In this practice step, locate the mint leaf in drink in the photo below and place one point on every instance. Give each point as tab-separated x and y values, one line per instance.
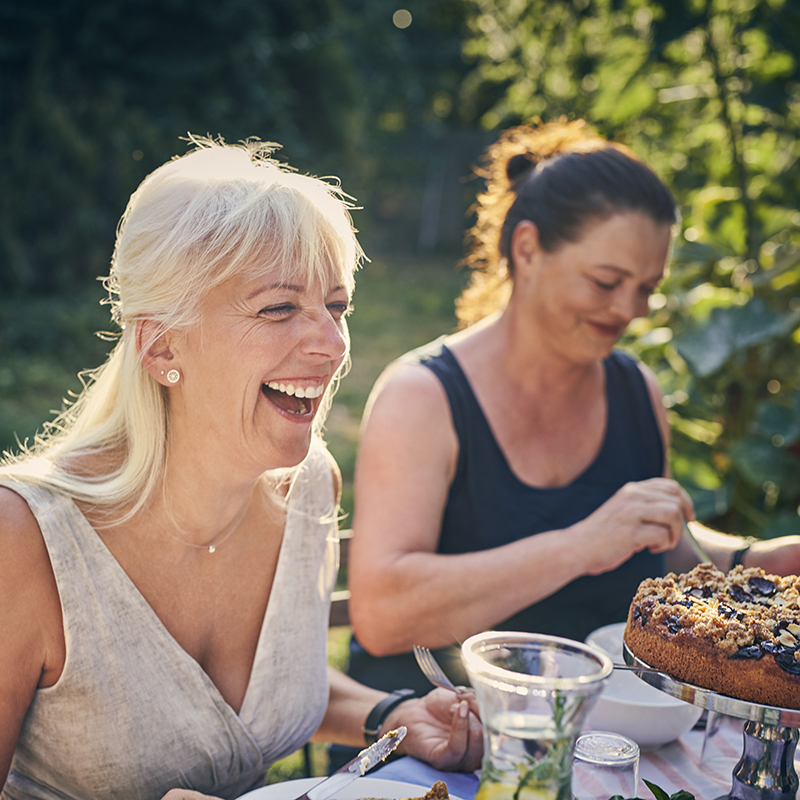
657	791
660	794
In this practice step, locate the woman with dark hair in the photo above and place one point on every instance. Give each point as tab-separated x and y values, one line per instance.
514	475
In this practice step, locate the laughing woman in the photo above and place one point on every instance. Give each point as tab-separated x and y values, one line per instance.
169	545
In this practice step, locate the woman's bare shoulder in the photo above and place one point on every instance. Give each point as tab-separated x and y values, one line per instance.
17	523
26	560
408	382
31	623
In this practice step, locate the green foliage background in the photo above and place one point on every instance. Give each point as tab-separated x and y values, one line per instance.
708	93
95	95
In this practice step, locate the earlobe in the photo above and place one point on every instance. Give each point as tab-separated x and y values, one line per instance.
153	346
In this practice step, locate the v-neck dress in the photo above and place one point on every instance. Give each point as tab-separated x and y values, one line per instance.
133	715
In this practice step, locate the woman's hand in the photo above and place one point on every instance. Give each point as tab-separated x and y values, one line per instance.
187	794
444	729
642	515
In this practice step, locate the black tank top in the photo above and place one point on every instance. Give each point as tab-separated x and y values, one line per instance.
488	506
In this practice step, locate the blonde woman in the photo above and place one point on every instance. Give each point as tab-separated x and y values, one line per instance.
170	542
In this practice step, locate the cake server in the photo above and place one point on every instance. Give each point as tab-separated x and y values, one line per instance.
642	670
361	764
699	550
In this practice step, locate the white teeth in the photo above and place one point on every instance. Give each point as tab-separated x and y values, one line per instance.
297	391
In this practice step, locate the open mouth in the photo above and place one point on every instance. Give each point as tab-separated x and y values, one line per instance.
295	400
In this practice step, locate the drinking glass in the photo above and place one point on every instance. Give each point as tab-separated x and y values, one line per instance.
606	764
534	693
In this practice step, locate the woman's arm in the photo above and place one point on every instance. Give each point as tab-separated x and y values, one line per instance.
403	592
348	706
443	729
31	629
775	556
779	556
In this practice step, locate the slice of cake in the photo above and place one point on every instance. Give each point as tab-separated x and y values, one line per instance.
437	792
735	633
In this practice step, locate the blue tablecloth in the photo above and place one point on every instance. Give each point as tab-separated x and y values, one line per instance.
407	769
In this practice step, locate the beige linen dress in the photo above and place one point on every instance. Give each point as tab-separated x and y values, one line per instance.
133	715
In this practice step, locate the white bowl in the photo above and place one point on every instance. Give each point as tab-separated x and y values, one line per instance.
632	707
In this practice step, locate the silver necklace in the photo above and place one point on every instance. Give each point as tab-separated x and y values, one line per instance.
211	548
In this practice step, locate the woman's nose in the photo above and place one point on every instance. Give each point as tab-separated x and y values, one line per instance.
327	336
628	306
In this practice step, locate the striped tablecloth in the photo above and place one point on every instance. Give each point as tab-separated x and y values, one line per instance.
674	766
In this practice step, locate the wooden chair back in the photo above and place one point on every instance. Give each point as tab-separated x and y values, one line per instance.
341	597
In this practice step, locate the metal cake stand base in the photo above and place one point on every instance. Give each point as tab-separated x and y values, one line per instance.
766	769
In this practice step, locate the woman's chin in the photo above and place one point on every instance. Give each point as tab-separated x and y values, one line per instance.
288	455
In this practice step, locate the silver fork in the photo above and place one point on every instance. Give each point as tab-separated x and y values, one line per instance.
433	672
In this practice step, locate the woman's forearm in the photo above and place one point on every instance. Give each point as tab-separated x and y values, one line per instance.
434	600
348	706
406	596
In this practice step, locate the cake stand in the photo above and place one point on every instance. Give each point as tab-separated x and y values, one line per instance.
766	769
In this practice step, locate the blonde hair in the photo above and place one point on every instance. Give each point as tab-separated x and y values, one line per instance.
217	212
558	175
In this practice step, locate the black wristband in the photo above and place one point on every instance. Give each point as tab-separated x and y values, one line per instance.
382	710
739	555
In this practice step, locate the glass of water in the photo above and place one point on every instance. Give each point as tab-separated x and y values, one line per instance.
534	693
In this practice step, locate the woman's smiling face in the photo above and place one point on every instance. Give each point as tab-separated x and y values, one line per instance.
585	294
254	371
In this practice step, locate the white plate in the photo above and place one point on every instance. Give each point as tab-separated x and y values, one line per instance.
362	787
632	707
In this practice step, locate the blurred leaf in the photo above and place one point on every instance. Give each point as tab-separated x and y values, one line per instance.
784	523
728	332
760	462
773	420
698	251
709	504
623	89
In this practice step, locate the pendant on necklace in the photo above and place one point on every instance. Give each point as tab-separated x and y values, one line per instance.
212	548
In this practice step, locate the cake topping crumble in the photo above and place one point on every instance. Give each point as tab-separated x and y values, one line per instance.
745	613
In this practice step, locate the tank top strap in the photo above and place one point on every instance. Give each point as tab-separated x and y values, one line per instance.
632	428
472	428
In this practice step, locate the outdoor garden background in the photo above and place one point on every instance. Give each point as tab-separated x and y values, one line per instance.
399	99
